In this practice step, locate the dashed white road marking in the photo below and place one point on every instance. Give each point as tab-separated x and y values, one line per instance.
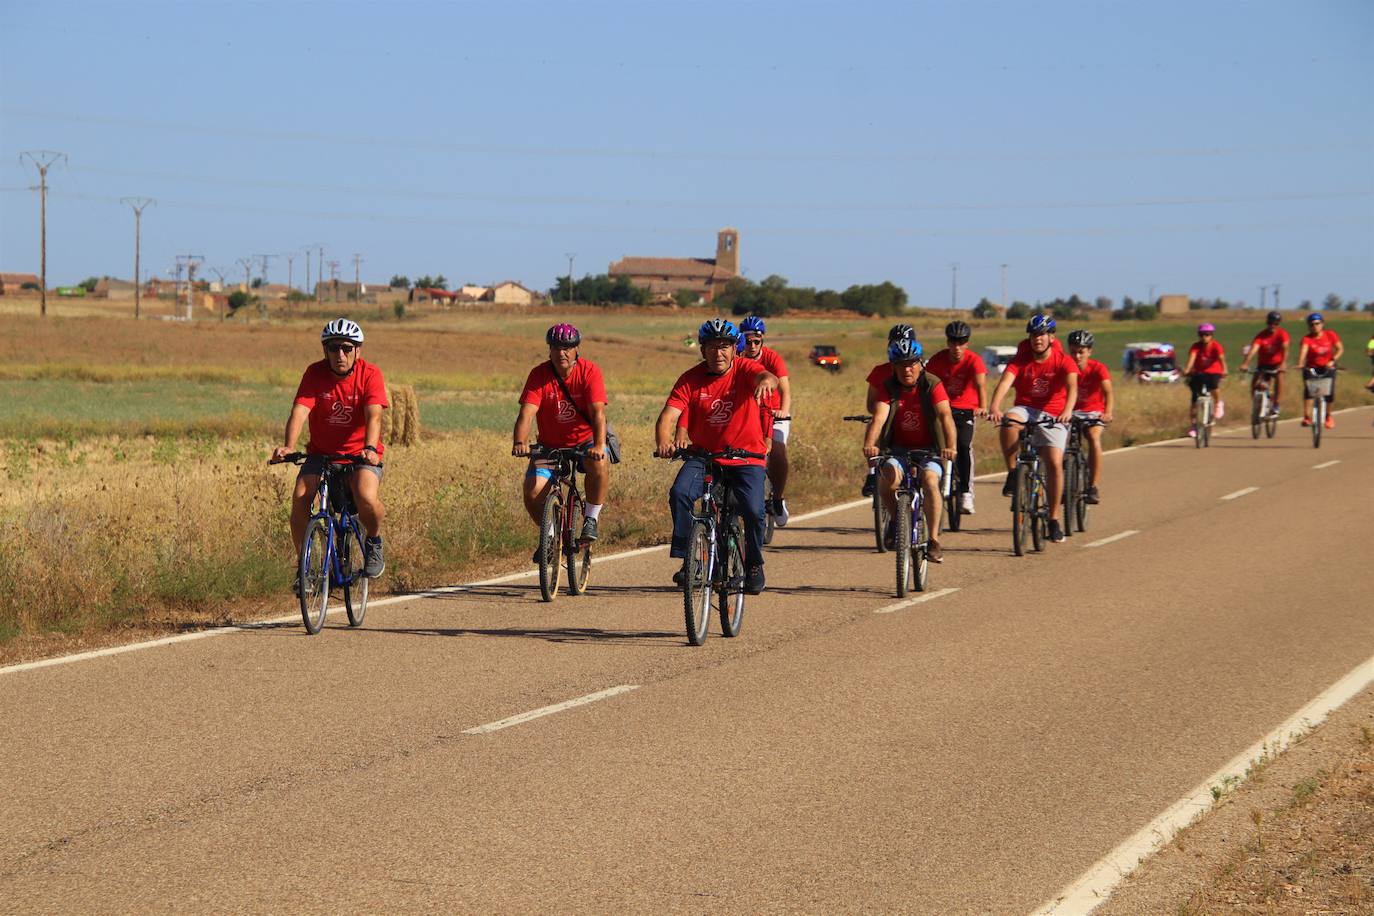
549	710
1239	493
1116	537
919	599
1325	464
1094	886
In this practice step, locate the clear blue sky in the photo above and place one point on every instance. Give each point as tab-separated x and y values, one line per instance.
1098	148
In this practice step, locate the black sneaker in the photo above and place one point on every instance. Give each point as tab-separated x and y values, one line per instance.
677	576
890	534
753	580
373	562
1090	496
1056	532
870	486
296	586
1009	488
589	529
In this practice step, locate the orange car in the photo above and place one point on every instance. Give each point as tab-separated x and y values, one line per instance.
826	356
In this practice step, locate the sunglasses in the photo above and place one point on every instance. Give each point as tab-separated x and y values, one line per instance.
338	348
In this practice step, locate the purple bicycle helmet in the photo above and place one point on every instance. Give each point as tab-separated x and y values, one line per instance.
563	335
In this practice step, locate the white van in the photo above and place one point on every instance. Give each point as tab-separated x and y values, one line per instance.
997	358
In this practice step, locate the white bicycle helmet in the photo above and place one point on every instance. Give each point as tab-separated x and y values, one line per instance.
342	329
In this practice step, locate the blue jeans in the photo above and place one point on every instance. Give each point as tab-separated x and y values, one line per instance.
746	482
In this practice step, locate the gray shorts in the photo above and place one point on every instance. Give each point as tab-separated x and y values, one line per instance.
935	466
1056	436
314	467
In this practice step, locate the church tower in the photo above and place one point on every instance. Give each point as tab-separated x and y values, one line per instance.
727	251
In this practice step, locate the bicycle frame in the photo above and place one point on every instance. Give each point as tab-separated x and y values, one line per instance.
342	520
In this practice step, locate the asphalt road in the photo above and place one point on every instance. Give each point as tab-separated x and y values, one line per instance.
972	753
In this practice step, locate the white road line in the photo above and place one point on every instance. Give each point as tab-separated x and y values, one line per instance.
919	599
549	710
1116	537
1325	464
1239	493
1094	886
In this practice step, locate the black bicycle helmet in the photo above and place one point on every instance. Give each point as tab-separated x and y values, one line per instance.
958	330
1040	324
1274	317
1081	339
900	332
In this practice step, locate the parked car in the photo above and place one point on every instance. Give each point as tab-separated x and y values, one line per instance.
827	357
1151	361
997	358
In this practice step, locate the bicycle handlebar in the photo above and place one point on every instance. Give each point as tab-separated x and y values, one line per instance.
860	418
302	457
728	454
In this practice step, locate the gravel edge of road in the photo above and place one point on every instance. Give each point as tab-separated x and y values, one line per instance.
1297	836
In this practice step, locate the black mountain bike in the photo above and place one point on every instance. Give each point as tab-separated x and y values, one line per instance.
715	555
1030	511
1077	474
911	543
332	549
560	529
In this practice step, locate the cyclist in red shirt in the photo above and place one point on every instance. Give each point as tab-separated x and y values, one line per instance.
1270	349
1095	402
566	395
1205	369
964	376
752	330
920	419
1317	355
877	379
721	397
342	396
1046	389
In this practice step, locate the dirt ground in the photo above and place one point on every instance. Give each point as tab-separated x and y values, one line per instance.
1297	838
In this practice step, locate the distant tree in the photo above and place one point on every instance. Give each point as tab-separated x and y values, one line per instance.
88	284
1128	304
829	299
435	282
296	295
1102	304
238	299
257	283
1332	303
399	282
685	298
1146	312
1369	306
1018	311
881	299
1221	305
1351	306
30	285
984	309
1305	305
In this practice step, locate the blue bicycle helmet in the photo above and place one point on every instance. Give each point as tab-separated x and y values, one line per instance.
903	349
752	324
717	329
1040	324
1315	316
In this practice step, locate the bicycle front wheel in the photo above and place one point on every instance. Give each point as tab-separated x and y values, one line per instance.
696	583
1256	414
879	516
951	514
730	595
550	536
1039	511
920	556
902	546
314	573
1080	505
1020	511
1072	483
769	521
355	584
1318	421
578	554
1271	422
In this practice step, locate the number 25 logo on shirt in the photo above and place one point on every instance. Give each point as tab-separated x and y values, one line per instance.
566	413
1040	386
719	414
340	414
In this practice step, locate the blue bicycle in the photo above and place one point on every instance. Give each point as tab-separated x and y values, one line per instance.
332	553
911	543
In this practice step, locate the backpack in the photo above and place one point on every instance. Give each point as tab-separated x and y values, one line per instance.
925	384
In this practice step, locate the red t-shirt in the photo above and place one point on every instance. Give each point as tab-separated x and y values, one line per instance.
1042	385
909	428
772	361
958	378
1268	346
1023	347
1208	360
1321	350
561	425
880	374
338	423
720	409
1090	379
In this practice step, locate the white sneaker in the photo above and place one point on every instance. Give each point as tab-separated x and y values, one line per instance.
966	503
780	515
1219	411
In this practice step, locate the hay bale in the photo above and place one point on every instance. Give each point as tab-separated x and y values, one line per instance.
401	424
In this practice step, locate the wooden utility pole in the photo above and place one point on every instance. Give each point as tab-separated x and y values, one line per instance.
357	278
334	277
138	203
42	159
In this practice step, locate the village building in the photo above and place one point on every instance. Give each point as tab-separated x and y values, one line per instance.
509	292
663	277
1173	305
12	283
